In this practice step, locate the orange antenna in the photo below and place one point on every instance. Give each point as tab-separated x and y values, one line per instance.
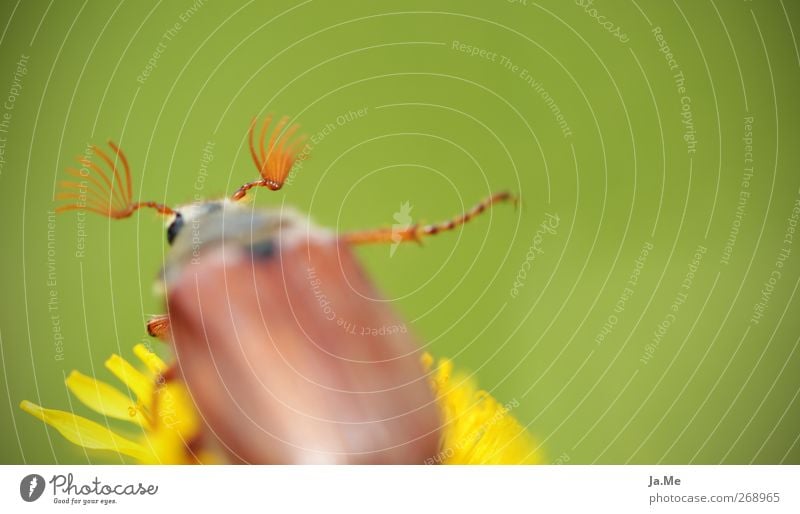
274	159
102	192
415	232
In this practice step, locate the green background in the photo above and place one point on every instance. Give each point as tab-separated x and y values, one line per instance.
442	129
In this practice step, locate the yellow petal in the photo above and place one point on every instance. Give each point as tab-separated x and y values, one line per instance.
138	382
154	364
165	450
176	425
104	398
477	429
84	432
174	411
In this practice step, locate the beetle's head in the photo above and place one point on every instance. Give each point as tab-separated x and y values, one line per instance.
232	230
191	213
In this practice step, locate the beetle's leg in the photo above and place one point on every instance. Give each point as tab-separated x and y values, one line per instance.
158	326
416	232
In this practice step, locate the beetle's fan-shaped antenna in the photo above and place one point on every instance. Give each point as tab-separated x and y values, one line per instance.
100	191
274	158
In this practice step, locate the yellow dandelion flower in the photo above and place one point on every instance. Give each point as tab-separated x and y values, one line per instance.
477	428
162	410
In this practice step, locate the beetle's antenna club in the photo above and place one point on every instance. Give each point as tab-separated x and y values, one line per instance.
274	159
416	232
100	191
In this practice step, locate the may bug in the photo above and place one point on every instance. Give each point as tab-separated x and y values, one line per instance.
279	334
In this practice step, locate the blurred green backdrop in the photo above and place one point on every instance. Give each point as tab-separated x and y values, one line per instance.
641	328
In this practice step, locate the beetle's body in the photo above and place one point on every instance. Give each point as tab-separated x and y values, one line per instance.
253	290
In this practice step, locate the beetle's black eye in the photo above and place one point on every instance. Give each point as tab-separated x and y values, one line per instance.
174	228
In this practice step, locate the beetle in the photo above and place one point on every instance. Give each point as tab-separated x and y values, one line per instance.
286	346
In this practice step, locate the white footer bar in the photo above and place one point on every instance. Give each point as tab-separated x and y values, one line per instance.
118	489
